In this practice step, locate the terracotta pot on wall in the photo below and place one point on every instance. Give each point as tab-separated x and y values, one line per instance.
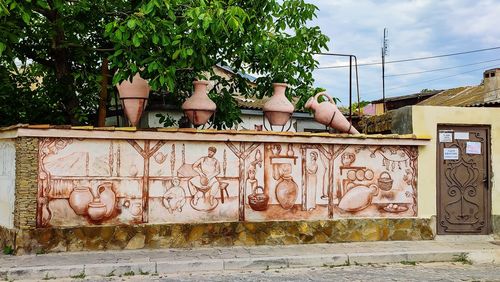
199	107
278	109
328	114
134	95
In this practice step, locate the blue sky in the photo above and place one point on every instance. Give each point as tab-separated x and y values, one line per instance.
416	28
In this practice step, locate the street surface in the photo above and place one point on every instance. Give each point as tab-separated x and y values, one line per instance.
405	271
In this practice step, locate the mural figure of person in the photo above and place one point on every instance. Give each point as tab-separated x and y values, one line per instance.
205	184
311	181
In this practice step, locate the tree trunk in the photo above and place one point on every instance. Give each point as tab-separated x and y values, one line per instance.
103	96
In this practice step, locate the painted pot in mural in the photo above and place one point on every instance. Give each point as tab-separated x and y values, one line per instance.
286	192
258	201
134	95
108	197
348	159
278	109
358	198
79	199
199	107
328	114
97	210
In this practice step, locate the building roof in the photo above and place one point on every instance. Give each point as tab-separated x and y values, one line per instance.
422	95
460	97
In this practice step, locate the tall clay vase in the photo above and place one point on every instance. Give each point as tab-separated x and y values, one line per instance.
134	95
286	192
328	114
108	197
199	108
278	109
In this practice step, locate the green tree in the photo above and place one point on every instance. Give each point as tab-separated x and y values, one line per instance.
171	43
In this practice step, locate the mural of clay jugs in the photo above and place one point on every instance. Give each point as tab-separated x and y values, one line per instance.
107	197
199	107
328	114
134	95
286	190
278	109
79	199
97	210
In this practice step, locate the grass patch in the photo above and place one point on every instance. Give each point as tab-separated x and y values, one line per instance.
8	250
47	277
463	258
346	263
129	273
407	262
143	272
111	274
81	275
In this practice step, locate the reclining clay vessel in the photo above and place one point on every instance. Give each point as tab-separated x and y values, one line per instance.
328	114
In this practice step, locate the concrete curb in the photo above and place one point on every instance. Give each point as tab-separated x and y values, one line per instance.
251	262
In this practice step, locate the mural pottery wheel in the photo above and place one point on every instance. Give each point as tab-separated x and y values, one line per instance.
206	202
286	192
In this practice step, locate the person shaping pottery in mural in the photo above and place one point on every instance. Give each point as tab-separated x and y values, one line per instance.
205	185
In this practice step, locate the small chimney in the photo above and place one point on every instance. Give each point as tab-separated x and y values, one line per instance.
491	85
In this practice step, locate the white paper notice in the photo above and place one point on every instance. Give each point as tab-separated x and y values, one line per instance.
450	154
473	148
445	137
462	135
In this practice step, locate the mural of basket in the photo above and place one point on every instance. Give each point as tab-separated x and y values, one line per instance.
258	201
385	181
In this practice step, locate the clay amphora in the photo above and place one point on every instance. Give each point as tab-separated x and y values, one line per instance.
79	199
286	192
328	114
97	210
134	95
199	108
108	197
278	109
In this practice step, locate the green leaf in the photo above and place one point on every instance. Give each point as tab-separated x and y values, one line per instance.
136	41
155	38
3	46
26	17
176	54
131	23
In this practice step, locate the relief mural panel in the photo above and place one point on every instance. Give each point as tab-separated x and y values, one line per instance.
94	182
376	181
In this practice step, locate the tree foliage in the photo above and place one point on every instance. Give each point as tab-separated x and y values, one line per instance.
60	45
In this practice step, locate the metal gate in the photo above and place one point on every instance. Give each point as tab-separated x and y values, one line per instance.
463	180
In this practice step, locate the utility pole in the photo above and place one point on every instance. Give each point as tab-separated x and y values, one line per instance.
384	53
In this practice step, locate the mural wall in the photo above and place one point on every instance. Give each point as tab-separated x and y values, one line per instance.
93	182
7	182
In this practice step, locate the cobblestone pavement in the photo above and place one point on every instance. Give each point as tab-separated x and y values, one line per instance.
373	272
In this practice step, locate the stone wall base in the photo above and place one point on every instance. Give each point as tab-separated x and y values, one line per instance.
149	236
7	238
495	222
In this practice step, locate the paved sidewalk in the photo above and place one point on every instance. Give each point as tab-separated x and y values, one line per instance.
165	261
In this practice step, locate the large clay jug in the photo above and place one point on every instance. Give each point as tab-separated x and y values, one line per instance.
108	197
328	114
286	192
134	95
278	109
199	107
79	199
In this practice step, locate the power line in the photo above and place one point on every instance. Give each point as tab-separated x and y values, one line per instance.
433	70
413	59
430	80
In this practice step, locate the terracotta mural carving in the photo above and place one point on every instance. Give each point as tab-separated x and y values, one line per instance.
106	182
